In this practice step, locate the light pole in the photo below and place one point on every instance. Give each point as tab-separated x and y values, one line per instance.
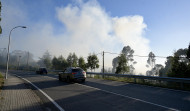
18	63
9	47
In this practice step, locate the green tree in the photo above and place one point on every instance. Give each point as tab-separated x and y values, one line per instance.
63	64
151	59
179	64
128	52
59	63
72	60
45	61
165	70
82	63
188	53
92	62
122	65
114	64
54	63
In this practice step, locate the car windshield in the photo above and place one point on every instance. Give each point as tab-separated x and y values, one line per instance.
77	70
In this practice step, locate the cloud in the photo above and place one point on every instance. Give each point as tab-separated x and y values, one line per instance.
86	28
89	22
130	31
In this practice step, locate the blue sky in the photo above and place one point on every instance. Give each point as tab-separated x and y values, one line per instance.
87	26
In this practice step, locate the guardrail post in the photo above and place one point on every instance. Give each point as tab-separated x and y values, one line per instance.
159	81
135	80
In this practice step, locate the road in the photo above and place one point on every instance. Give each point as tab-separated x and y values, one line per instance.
105	95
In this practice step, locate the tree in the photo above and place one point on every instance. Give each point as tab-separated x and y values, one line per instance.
188	53
128	52
151	62
59	63
165	70
72	59
151	59
45	61
122	65
114	64
82	64
63	64
54	63
177	65
92	62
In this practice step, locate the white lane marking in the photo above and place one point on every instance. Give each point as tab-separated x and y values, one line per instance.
129	97
59	107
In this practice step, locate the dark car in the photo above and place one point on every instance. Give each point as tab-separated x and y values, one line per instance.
73	74
41	70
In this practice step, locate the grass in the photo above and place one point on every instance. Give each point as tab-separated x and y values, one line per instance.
1	81
156	83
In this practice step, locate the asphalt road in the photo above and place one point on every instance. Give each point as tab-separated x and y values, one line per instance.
105	95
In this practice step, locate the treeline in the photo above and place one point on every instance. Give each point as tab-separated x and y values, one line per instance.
17	59
177	65
60	63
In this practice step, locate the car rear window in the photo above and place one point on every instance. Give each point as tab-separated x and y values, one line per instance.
76	70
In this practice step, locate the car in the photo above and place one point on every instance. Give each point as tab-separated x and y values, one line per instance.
41	70
73	74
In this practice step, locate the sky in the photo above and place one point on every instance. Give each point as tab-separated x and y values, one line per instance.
93	26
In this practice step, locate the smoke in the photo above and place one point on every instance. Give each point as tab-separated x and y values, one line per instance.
85	28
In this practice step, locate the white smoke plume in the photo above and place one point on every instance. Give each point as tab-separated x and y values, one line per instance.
87	28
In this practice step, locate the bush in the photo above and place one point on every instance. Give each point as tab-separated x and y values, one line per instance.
1	76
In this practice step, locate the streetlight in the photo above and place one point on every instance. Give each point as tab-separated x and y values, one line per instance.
8	49
18	63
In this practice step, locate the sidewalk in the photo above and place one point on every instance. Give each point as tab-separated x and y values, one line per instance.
17	96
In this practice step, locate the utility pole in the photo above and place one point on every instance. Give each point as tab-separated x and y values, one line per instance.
27	61
103	61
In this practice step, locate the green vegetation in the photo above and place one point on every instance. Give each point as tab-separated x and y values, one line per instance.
178	65
125	62
156	83
72	60
59	63
82	63
1	81
122	67
45	60
92	62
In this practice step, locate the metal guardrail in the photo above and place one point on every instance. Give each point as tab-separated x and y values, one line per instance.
168	79
155	79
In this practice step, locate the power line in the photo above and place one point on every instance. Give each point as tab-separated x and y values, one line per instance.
144	56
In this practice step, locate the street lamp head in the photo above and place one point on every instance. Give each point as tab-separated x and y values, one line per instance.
23	26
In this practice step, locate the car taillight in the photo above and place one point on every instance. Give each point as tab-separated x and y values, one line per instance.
73	72
84	72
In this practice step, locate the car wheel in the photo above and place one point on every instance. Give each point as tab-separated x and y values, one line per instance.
68	80
60	79
83	81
